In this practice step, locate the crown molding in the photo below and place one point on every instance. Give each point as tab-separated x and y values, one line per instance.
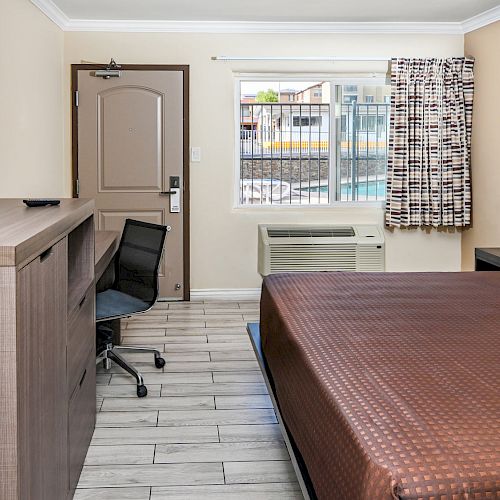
481	20
53	12
259	27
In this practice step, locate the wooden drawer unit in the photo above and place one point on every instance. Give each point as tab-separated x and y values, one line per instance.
42	372
81	422
47	347
81	338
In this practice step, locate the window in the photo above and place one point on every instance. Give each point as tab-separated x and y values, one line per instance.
306	121
311	152
348	99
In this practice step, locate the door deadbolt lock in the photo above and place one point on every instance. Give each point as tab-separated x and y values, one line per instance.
177	286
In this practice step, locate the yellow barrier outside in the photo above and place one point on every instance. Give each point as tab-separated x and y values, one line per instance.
296	145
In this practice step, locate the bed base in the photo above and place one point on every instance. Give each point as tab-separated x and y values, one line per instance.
298	464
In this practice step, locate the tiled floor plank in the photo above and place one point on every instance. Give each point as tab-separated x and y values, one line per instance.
259	472
125	391
233	355
213	389
239	402
236	377
220	452
141	366
113	494
217	417
159	377
120	454
213	366
207	346
237	338
240	433
127	419
151	475
131	340
159	403
157	435
271	491
176	332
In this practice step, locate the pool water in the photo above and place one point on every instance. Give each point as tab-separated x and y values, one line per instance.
371	189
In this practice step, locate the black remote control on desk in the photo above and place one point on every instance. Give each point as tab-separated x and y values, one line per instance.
40	202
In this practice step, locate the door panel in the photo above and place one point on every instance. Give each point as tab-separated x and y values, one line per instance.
130	133
130	142
113	220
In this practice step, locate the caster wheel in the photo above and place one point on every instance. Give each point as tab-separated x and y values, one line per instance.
159	362
142	391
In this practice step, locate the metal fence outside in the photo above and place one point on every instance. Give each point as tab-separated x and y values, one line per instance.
285	152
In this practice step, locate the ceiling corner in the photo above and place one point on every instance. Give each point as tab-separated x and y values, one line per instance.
481	20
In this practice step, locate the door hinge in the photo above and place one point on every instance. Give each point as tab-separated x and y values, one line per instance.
76	98
77	186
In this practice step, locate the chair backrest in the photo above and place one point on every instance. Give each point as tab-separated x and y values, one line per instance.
138	260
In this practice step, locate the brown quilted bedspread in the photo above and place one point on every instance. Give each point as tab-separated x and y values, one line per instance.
390	382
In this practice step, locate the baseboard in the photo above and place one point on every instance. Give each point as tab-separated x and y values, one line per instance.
225	294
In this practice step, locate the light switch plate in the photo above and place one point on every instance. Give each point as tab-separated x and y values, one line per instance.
196	154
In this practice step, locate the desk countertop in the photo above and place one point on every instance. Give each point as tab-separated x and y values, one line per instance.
25	231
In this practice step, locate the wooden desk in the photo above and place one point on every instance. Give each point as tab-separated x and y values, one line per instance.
47	347
106	245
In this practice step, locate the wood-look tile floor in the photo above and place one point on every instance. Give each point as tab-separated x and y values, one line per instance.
206	430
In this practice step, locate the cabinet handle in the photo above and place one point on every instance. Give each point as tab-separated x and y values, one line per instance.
46	254
83	377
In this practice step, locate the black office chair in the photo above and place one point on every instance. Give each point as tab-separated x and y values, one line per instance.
134	291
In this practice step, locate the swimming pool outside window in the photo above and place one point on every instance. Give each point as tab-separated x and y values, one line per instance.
304	143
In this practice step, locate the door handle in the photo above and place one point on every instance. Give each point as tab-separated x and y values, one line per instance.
165	193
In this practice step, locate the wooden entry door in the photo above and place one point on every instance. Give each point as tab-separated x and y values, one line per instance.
131	156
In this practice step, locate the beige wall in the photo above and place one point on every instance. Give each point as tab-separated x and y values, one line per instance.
224	239
484	45
31	106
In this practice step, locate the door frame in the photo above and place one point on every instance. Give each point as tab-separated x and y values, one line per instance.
184	68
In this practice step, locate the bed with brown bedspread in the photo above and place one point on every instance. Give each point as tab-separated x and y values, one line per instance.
389	383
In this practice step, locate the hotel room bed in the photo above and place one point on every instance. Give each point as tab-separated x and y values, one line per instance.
388	383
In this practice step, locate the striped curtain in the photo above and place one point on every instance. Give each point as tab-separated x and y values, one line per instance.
428	167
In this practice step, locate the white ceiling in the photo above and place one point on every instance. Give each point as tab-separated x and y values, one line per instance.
277	10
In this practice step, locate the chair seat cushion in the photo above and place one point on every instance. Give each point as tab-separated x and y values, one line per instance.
112	303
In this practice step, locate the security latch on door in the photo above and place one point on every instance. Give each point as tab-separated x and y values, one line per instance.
175	194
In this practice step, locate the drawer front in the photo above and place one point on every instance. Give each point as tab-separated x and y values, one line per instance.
82	415
42	406
81	338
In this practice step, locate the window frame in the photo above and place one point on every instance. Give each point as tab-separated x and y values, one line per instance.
333	80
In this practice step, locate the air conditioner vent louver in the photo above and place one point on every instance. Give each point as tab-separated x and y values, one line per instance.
320	232
305	248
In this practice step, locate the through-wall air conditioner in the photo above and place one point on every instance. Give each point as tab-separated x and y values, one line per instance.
285	248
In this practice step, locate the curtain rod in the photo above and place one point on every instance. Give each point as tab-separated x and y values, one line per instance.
298	58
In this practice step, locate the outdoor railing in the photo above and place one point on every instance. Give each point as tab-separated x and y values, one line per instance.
285	152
